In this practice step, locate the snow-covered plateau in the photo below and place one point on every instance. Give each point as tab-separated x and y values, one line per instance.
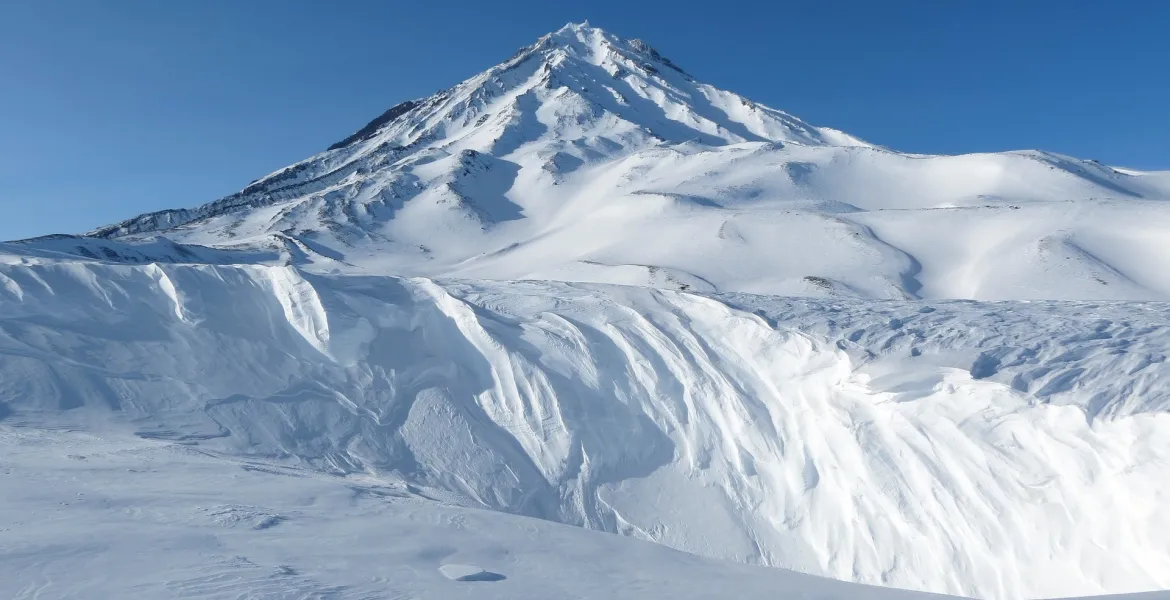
583	288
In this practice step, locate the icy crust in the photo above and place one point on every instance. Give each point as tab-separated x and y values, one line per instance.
996	450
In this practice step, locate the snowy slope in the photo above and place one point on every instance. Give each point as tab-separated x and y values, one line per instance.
953	447
585	287
587	157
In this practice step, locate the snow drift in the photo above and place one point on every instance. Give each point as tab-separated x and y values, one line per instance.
953	446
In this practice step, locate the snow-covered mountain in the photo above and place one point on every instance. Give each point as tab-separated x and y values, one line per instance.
584	287
587	157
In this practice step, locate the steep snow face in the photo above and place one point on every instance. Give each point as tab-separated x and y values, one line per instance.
588	157
952	447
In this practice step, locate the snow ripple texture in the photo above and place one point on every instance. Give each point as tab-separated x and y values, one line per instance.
974	448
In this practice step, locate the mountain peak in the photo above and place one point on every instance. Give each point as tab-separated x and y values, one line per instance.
576	27
596	46
577	96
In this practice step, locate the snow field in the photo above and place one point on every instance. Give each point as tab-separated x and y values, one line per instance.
951	447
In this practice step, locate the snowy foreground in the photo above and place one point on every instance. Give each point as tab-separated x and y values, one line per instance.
126	518
985	449
583	288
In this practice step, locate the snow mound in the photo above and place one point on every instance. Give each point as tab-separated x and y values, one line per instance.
468	573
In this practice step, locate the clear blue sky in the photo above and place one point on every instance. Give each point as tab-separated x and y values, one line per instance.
115	107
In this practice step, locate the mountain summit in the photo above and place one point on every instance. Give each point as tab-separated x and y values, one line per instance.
577	95
596	85
590	157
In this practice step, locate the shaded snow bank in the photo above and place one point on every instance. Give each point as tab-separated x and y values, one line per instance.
996	450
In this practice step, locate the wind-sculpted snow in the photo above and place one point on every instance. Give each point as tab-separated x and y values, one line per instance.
987	449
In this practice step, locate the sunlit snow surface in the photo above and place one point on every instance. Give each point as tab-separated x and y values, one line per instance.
401	367
996	450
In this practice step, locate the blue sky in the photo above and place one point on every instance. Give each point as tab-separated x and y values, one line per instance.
109	109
